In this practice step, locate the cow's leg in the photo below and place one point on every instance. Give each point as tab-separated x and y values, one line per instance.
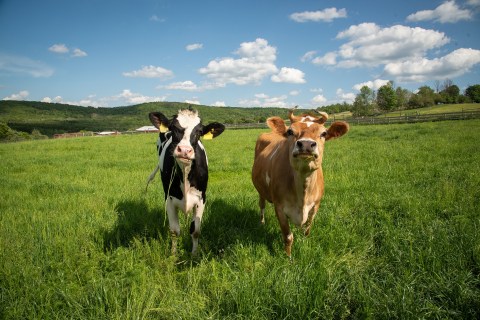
195	225
173	223
261	203
311	215
286	233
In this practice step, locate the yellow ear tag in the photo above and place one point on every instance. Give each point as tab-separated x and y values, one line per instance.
208	135
163	129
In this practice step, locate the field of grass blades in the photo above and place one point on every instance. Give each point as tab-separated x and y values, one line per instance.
397	235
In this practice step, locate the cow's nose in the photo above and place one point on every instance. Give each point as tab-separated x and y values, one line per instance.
306	145
184	151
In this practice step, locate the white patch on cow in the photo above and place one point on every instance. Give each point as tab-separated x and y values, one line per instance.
187	120
203	148
267	179
307	119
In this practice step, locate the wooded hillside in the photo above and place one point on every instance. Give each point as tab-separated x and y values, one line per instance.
51	118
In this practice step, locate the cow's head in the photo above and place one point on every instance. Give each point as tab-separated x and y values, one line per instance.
185	130
306	137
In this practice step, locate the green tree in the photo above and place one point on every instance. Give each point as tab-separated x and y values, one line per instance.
423	98
386	97
450	94
363	104
473	92
403	96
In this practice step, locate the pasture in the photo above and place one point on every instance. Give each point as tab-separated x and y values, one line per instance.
396	236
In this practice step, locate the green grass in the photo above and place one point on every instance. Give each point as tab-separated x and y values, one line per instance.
397	234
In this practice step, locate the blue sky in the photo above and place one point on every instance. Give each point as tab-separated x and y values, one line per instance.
267	53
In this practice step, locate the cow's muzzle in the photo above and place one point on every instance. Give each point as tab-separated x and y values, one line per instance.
184	154
305	149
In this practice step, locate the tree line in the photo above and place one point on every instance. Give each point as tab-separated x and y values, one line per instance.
390	98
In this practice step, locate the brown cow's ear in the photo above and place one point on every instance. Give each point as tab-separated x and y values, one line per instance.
212	130
337	129
277	125
159	121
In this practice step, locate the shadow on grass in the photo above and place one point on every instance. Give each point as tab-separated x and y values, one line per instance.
135	220
226	225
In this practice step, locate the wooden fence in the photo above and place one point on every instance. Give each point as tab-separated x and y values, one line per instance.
409	118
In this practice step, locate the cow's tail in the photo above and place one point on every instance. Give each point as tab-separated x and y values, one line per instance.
152	176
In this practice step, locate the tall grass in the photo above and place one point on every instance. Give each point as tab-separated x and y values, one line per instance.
397	234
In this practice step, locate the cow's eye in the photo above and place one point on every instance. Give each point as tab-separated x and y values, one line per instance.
324	134
290	132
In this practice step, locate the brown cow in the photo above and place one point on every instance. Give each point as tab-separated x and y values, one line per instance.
287	170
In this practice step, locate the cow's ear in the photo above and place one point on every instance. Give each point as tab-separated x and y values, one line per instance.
337	129
277	125
159	121
212	130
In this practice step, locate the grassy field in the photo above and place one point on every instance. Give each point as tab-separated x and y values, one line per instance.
445	108
396	237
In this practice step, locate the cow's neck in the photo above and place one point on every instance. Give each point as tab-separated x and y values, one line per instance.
306	183
185	171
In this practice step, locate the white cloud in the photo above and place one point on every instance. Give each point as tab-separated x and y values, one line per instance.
319	100
129	97
263	100
289	75
261	96
192	101
22	95
255	62
450	66
23	65
371	45
90	101
328	59
126	97
59	48
77	53
374	85
326	15
149	72
473	3
185	85
63	49
294	93
348	97
308	56
155	18
219	104
447	12
194	46
57	99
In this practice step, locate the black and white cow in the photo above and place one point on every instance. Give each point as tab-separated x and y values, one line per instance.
183	165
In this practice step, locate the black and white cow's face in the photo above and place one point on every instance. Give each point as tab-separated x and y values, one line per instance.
185	129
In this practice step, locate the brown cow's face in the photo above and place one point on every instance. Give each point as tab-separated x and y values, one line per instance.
306	141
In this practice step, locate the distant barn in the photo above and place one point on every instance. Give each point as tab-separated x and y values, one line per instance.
147	129
108	133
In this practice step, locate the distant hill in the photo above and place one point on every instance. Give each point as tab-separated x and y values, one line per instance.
51	118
